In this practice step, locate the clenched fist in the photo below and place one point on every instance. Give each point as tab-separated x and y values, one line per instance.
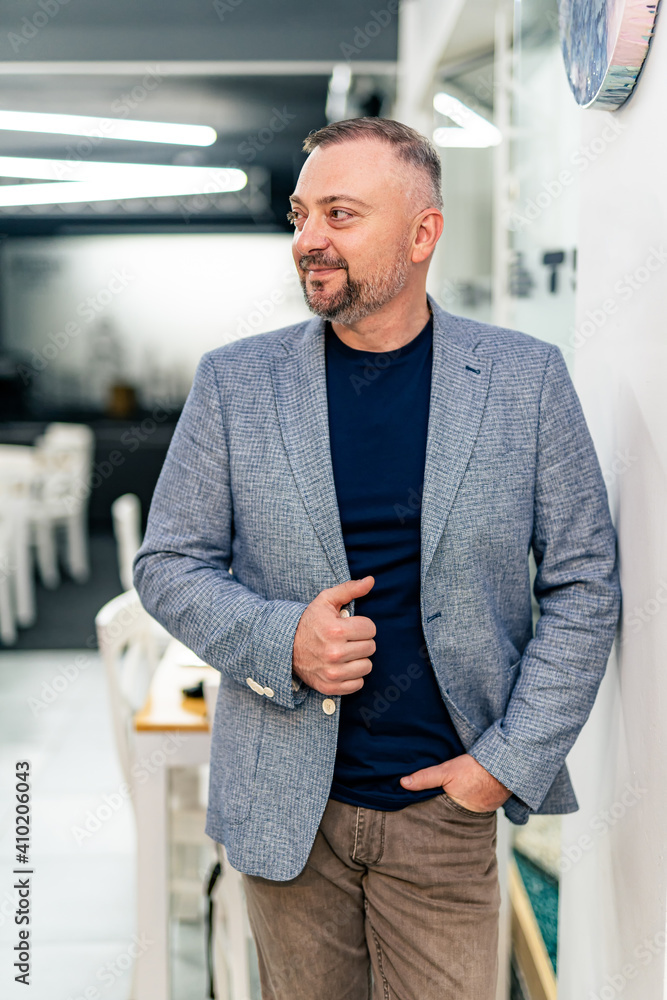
331	654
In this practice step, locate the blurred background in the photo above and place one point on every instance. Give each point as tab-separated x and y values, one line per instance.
184	146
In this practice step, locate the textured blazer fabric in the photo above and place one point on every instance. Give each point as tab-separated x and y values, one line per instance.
244	531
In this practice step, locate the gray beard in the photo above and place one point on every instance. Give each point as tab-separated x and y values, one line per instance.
358	299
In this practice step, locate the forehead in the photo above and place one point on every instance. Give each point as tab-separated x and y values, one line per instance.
366	168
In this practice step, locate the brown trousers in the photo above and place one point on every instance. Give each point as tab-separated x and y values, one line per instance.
390	906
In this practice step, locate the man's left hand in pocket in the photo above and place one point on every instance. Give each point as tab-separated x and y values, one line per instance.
465	781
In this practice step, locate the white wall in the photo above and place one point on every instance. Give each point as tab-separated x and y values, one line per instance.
545	179
166	298
614	881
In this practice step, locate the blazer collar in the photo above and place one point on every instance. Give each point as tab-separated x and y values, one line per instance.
459	386
457	329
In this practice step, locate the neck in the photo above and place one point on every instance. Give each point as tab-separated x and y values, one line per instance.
393	326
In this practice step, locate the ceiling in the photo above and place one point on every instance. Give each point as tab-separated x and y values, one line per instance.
255	70
198	29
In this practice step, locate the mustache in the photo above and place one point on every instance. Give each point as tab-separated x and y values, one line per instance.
308	261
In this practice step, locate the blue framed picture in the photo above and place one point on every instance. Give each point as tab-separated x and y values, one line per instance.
604	45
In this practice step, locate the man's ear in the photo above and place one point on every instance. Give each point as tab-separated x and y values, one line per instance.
430	225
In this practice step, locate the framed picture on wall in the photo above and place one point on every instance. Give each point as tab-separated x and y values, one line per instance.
605	44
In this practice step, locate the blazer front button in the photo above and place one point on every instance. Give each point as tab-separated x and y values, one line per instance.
329	706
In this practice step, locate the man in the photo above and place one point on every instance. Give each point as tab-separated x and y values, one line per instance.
342	527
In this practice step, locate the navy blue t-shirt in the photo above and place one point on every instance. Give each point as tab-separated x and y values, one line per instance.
378	418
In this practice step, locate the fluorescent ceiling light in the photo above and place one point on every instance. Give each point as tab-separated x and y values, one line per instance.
472	130
66	194
38	168
108	128
340	79
73	181
337	92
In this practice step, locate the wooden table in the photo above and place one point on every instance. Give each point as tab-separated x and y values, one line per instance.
169	731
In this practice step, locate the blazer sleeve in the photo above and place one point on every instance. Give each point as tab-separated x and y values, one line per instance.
579	594
182	570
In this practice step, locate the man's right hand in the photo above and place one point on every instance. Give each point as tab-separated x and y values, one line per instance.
331	654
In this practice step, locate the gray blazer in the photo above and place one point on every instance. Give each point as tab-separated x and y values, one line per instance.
244	532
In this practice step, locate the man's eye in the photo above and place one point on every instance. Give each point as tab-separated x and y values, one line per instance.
292	216
340	210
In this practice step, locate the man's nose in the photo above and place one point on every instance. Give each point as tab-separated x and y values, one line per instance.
312	236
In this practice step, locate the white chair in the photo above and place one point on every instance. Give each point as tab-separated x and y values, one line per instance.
7	617
75	437
126	517
15	498
128	650
130	647
64	455
232	940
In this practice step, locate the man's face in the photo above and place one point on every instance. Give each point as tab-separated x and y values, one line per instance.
352	221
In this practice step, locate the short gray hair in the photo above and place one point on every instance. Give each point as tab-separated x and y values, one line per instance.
410	146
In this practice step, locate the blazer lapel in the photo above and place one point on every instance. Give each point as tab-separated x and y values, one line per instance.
459	387
299	382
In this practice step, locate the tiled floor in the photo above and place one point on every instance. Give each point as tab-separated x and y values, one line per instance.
83	900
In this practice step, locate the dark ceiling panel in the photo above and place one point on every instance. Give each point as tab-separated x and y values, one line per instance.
198	29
